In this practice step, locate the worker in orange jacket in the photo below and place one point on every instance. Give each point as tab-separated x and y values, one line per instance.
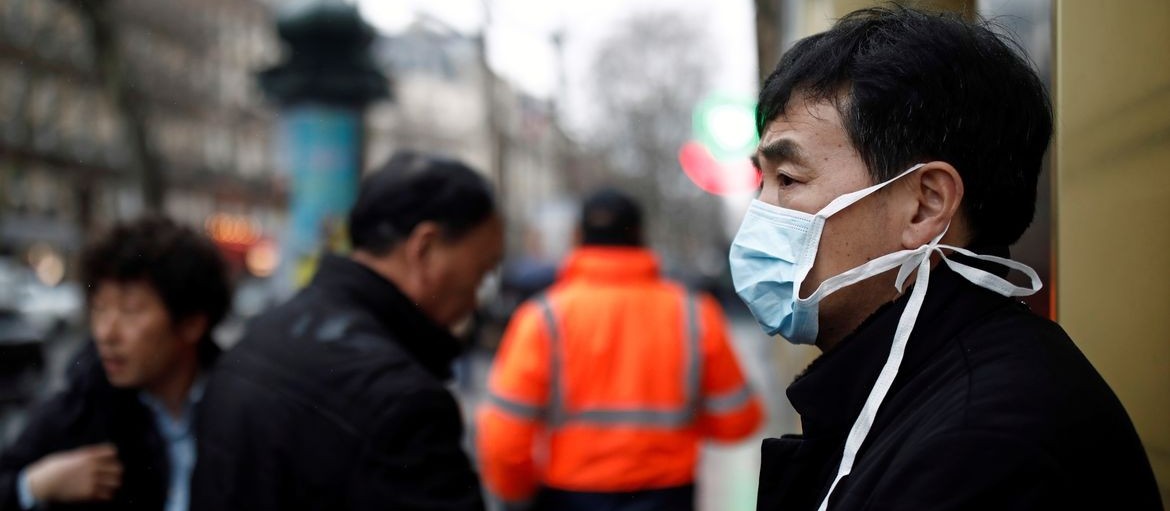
604	386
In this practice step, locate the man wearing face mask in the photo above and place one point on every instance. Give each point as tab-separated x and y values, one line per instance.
336	399
900	152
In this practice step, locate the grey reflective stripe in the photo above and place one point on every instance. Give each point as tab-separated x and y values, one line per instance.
692	379
517	409
663	418
694	374
556	407
729	401
497	502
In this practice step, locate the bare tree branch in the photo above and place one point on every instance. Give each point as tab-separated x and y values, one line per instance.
111	66
647	77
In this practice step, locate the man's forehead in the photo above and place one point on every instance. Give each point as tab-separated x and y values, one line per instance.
801	112
805	125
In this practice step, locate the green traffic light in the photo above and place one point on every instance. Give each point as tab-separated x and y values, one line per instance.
725	125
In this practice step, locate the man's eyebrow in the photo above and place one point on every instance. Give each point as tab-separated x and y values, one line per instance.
780	150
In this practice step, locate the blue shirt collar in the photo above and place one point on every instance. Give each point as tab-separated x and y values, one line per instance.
172	428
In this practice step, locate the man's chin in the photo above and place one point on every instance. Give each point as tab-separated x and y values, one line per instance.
121	381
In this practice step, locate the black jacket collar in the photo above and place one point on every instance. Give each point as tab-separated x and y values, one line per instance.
831	392
430	344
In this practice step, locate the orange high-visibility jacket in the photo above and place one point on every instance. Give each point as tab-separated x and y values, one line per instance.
608	383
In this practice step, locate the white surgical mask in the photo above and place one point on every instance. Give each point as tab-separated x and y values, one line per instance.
773	253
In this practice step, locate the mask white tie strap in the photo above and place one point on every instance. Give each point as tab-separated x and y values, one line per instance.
909	261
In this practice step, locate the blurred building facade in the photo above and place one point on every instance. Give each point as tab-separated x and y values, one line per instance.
68	163
449	102
66	152
440	104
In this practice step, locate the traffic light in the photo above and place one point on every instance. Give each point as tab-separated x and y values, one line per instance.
724	137
726	126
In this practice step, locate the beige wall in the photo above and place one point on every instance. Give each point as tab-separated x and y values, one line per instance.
1112	161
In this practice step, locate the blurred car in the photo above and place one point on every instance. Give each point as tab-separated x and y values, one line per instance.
22	367
50	310
21	358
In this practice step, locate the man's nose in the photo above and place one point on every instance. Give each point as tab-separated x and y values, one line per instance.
105	329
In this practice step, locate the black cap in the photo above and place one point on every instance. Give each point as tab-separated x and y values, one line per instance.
610	217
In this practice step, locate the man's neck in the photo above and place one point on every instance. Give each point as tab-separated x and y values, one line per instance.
387	267
174	392
863	300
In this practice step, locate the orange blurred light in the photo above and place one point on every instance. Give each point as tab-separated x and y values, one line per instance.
262	259
232	229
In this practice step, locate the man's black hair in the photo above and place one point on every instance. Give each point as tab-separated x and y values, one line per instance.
611	218
913	86
183	266
413	188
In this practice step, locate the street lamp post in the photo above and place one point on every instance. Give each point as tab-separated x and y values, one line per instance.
323	88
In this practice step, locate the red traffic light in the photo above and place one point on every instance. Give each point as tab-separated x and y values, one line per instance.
714	176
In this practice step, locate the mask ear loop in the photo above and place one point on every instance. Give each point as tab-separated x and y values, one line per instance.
814	240
906	259
994	282
844	201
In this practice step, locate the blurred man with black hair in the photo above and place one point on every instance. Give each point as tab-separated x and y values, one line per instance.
615	375
336	399
120	435
900	152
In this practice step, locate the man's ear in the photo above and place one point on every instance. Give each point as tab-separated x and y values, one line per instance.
192	329
937	190
419	246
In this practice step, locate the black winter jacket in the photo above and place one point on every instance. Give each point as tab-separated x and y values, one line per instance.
335	400
993	408
90	411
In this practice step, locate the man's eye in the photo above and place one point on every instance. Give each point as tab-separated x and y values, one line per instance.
784	180
132	307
